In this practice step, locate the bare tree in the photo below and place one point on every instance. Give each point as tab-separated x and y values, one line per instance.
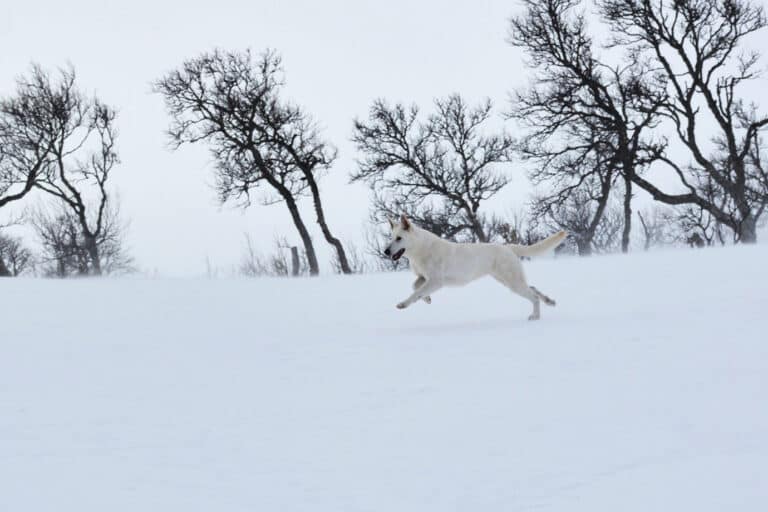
65	251
25	136
590	221
15	259
580	206
587	120
608	236
232	101
659	227
698	228
438	171
63	254
698	47
77	137
518	227
25	144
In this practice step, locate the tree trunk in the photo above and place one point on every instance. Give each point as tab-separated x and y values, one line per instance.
646	232
4	272
290	201
314	268
627	212
584	245
93	254
477	228
61	268
343	262
748	230
584	239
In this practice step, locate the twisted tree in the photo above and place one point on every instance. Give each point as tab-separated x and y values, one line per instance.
66	252
80	151
588	121
15	258
55	139
438	171
25	138
25	142
232	101
698	46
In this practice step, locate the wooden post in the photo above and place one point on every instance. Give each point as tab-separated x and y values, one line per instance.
294	261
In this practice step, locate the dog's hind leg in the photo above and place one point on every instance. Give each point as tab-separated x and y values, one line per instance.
520	287
418	283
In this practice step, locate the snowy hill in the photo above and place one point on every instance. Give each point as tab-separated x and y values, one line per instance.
646	388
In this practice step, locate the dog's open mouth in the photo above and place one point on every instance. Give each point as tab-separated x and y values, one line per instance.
397	255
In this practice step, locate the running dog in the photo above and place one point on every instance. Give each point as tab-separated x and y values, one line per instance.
437	263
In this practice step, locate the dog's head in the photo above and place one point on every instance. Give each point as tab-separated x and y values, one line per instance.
402	237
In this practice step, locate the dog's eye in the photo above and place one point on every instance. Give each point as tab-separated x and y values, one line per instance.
398	239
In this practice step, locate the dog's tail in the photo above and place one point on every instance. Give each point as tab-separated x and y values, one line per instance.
541	247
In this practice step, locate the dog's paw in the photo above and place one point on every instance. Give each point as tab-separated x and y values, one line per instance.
533	317
402	305
428	299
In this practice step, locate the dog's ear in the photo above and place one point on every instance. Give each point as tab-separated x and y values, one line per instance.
391	223
405	222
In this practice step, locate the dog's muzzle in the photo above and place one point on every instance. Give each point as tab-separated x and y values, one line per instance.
398	254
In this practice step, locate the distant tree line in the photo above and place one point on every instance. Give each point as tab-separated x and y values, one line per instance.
657	107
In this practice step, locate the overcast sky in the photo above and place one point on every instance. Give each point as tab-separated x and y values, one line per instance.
338	55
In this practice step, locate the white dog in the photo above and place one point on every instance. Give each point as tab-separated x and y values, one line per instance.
437	263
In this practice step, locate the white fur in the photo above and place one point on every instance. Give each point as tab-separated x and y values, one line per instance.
438	263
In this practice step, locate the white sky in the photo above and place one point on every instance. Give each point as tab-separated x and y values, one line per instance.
338	56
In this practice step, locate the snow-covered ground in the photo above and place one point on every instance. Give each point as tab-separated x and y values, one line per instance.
646	388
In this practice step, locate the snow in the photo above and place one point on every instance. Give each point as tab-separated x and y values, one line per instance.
646	388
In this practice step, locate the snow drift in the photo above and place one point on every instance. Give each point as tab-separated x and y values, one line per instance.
646	388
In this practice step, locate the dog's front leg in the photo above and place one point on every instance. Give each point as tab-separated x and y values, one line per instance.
427	287
417	284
